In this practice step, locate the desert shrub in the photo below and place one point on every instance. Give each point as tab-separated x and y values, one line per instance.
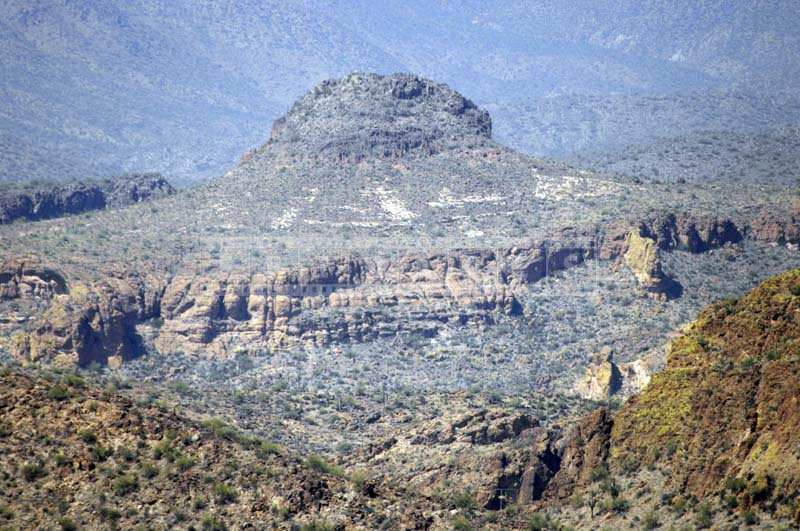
317	463
149	470
750	517
211	523
101	453
75	380
125	484
67	524
58	392
87	436
359	479
165	450
541	522
462	524
128	454
109	513
222	430
650	520
267	448
184	463
33	471
616	504
224	493
704	517
465	500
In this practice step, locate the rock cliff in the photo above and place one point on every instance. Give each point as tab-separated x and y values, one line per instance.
56	200
344	300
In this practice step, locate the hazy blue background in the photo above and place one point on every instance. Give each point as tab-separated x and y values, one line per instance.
185	87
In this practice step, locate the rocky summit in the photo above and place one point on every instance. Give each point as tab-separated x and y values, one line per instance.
368	115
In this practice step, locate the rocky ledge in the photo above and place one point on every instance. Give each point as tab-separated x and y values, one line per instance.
37	202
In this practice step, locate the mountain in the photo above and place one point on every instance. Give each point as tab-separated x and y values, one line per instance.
380	208
755	158
185	87
574	125
712	438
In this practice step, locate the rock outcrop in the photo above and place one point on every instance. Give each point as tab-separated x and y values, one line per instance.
57	200
369	115
604	378
727	405
643	259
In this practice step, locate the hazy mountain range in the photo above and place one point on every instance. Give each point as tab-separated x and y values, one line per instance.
90	89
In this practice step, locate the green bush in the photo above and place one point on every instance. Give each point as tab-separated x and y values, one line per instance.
87	436
462	524
67	524
704	517
268	448
317	463
541	522
58	392
33	471
465	500
224	493
650	521
222	430
212	523
184	463
101	453
125	484
75	380
149	470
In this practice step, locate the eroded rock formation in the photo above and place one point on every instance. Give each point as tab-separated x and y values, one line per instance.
343	300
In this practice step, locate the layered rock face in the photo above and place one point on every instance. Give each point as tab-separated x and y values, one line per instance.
345	300
365	115
57	200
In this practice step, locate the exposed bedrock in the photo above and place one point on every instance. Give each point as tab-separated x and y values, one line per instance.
342	300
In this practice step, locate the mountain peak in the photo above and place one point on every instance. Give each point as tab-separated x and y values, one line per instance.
371	115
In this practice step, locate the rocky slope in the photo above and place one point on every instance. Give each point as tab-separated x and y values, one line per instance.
711	440
719	424
40	201
74	456
339	301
